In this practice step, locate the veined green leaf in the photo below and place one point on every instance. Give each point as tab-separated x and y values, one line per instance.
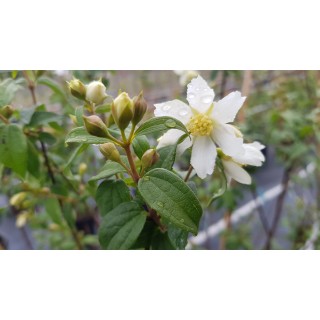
121	227
172	198
110	194
160	125
109	169
80	135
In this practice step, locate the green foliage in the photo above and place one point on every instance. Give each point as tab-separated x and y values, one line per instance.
121	227
172	198
110	194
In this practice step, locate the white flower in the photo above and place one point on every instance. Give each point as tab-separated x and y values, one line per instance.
207	122
96	92
233	165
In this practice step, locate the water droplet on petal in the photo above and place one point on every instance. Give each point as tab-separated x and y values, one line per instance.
206	99
197	89
170	123
160	204
166	108
191	96
183	112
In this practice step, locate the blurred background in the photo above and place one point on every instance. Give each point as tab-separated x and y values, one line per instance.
280	210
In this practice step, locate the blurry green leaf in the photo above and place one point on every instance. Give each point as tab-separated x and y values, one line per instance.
161	241
40	118
172	198
79	115
80	135
121	227
110	194
33	165
140	145
14	148
177	237
8	89
81	148
47	138
109	169
53	210
160	125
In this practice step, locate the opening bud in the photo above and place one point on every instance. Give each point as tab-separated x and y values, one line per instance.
149	158
139	108
77	89
95	126
7	111
122	110
17	199
96	92
110	152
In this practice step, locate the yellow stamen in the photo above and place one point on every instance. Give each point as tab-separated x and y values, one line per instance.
200	125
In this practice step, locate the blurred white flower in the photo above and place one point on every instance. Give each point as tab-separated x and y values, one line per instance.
233	165
207	122
185	76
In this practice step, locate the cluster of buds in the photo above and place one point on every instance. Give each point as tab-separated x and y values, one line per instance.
149	158
126	110
94	92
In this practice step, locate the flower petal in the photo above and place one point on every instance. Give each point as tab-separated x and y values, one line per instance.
203	157
226	109
252	155
199	95
171	137
174	108
227	140
236	172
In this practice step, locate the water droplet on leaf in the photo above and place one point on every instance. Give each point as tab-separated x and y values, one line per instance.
160	204
170	123
146	178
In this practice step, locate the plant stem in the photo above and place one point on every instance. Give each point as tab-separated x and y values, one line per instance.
134	172
188	173
278	210
4	119
262	214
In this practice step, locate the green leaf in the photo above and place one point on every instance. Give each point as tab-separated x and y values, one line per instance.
81	148
224	184
172	198
110	194
8	89
79	114
14	149
161	241
109	169
160	124
121	227
33	165
53	210
40	118
177	237
140	145
167	157
80	135
47	138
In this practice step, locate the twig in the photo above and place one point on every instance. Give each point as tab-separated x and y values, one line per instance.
188	173
278	210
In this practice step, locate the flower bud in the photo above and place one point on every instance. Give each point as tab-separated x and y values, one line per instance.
139	108
7	111
149	158
95	126
17	199
110	151
122	110
96	92
82	168
77	89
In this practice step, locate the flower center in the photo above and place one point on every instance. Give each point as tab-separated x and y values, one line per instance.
200	125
